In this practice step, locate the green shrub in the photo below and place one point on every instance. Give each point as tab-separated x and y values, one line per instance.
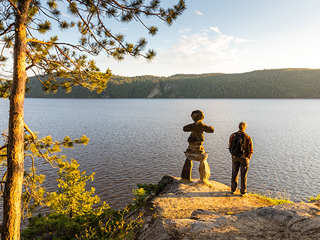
143	193
73	215
108	224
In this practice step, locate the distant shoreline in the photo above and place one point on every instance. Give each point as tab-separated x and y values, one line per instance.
262	84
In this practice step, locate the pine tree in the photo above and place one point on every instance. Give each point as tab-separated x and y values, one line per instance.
21	21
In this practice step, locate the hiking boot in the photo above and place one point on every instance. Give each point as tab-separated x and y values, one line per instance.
244	195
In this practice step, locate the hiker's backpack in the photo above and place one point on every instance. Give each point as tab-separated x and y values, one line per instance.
237	145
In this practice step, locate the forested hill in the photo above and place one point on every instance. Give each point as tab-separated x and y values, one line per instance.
278	83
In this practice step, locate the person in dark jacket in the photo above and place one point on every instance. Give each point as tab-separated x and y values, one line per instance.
241	161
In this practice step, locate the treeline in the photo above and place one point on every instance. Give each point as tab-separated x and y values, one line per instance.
117	87
274	83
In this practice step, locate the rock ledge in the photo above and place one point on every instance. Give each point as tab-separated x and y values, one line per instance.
197	211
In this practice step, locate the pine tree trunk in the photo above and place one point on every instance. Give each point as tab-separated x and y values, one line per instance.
15	159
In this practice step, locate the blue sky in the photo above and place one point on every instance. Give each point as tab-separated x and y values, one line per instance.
228	36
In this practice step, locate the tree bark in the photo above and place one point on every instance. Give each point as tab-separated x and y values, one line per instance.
15	158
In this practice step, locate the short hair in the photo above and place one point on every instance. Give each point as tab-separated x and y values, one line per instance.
242	126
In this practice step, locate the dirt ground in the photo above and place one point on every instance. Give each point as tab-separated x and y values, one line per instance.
195	210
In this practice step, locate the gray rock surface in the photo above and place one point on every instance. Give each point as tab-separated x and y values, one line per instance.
197	211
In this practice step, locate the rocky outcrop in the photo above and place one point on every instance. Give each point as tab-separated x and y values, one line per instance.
197	211
154	93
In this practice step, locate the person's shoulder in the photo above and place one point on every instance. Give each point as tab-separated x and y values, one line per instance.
248	137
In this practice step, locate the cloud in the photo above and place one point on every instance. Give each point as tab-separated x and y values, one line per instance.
65	15
202	51
185	30
240	40
198	13
215	29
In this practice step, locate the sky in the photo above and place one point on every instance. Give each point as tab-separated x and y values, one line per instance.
229	36
224	36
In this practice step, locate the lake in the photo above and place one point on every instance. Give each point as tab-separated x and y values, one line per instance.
140	140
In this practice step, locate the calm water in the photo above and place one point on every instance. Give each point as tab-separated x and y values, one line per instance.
140	140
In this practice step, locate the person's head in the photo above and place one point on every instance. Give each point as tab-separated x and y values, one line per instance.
197	116
242	126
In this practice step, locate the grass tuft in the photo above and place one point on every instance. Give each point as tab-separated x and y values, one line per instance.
281	199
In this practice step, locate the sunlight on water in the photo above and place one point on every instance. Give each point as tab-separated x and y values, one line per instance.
140	140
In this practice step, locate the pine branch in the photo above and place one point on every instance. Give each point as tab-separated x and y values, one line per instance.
53	18
14	6
32	166
6	44
39	41
4	146
2	182
30	131
7	29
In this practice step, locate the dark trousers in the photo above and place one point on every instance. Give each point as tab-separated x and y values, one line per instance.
243	164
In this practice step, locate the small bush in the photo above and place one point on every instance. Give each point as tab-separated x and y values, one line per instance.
72	214
143	193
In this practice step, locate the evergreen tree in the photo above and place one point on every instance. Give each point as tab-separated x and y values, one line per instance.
21	21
